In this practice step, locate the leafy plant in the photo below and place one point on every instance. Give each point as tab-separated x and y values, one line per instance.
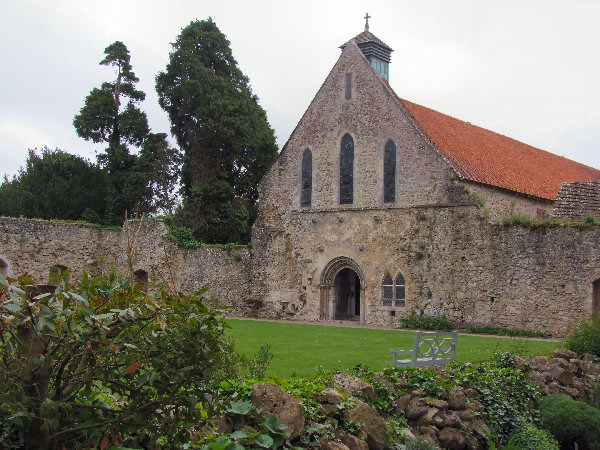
79	363
571	421
424	322
421	443
589	221
529	437
585	338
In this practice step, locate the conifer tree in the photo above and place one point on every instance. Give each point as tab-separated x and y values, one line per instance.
223	132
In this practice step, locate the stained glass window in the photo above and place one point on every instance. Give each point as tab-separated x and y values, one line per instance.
347	170
389	172
306	178
387	290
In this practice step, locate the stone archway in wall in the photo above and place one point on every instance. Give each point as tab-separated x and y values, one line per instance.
343	290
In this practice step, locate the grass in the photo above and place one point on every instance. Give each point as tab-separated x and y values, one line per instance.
302	350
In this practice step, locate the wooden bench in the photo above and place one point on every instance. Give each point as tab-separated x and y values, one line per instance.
429	349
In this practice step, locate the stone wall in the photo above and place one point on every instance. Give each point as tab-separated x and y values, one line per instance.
35	246
502	203
453	260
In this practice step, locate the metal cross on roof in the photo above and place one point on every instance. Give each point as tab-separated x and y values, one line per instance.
367	17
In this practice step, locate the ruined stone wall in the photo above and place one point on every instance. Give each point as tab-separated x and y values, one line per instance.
454	263
34	246
502	203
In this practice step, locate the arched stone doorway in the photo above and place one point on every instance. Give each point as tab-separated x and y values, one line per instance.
342	290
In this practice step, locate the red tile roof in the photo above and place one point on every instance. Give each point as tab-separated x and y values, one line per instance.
486	157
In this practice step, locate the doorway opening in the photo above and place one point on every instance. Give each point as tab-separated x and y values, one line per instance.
347	295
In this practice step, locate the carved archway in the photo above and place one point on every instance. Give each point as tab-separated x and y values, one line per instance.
328	287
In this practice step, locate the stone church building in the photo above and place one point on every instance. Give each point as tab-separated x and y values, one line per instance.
377	208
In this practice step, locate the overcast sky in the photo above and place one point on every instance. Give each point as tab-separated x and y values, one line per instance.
524	68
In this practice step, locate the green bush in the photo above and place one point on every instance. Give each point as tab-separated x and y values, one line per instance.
529	437
425	322
81	362
506	332
571	421
585	338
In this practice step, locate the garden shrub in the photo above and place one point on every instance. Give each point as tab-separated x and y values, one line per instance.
99	359
425	322
571	421
529	437
585	338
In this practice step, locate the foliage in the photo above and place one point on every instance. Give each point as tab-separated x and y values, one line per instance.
424	322
506	332
589	221
227	142
571	421
257	366
585	338
55	185
385	398
509	397
421	442
529	437
79	364
141	182
533	223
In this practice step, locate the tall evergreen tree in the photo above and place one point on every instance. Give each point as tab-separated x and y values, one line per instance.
227	142
111	115
55	185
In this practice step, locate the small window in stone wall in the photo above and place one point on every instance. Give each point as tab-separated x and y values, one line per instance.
306	197
141	277
58	273
400	288
389	172
387	290
348	86
393	292
347	170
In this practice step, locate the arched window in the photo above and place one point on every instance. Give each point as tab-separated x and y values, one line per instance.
387	290
393	292
389	172
306	196
400	288
346	170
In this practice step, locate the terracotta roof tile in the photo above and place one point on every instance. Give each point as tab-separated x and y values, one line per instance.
486	157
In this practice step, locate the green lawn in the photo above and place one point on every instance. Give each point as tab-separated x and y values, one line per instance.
301	349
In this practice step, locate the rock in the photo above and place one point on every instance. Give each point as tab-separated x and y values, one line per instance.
588	357
563	353
330	396
437	403
414	412
523	363
537	378
449	419
563	376
353	385
465	414
428	431
452	438
328	444
430	418
354	443
329	410
457	399
402	404
271	400
371	424
476	405
539	362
